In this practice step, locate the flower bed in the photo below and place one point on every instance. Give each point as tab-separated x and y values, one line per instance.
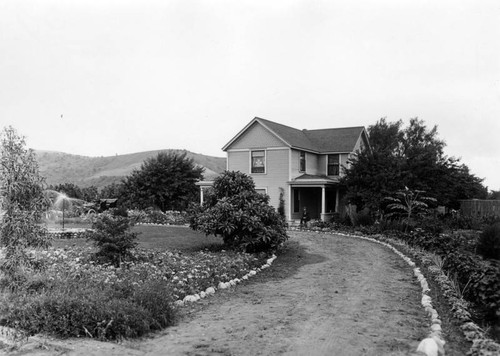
157	217
74	296
72	233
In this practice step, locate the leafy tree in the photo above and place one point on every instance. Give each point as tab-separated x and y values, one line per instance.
22	202
413	157
90	193
376	173
113	190
494	195
243	217
166	182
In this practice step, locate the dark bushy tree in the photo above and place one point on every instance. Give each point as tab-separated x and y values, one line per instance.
165	182
112	236
112	191
412	157
243	217
22	202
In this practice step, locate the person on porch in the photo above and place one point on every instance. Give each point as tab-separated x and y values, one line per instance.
305	218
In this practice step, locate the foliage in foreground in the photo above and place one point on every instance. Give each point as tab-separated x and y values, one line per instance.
22	202
74	296
243	217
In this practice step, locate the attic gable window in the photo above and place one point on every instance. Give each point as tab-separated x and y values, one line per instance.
302	161
258	161
333	165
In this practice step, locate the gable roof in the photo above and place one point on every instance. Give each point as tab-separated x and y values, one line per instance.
319	141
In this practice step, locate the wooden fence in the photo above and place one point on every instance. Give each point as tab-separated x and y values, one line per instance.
480	208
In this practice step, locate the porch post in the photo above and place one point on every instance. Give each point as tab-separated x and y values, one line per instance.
337	199
323	200
290	202
201	195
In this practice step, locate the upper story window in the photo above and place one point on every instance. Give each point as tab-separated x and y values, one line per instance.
302	161
258	161
333	165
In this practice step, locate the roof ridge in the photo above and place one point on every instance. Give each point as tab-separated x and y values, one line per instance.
336	128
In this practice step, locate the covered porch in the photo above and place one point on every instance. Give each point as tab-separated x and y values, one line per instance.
319	194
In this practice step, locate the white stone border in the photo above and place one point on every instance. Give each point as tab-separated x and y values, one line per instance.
160	224
433	344
223	285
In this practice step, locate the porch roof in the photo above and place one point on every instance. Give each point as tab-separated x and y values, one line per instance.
313	180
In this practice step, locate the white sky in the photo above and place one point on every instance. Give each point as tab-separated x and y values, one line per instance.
131	76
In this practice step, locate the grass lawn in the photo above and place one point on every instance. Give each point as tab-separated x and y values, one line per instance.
170	237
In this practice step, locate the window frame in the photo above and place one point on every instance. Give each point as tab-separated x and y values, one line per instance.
333	165
302	161
252	167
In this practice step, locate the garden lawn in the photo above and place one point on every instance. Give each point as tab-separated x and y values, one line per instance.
72	295
170	237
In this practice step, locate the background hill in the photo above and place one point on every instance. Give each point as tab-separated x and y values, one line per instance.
59	167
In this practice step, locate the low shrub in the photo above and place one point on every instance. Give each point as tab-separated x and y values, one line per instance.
432	224
483	278
364	218
112	237
478	279
85	314
489	242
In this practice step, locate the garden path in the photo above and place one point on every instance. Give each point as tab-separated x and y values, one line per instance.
346	297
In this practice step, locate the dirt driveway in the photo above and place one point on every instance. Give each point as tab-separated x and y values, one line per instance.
325	295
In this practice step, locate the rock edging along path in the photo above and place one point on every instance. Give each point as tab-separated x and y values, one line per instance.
349	297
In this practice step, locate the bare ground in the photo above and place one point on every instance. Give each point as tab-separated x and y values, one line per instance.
325	295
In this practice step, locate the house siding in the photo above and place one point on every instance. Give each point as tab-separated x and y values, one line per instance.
257	136
238	161
276	174
311	164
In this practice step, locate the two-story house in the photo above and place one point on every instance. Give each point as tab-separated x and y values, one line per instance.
304	166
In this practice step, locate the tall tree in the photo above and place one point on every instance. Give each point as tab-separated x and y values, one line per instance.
22	202
113	190
166	182
408	157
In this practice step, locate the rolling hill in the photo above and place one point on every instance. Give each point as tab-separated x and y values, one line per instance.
59	167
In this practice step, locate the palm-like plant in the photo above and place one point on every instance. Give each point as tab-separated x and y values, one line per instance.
408	203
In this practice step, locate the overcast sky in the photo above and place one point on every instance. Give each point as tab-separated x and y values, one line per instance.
99	78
